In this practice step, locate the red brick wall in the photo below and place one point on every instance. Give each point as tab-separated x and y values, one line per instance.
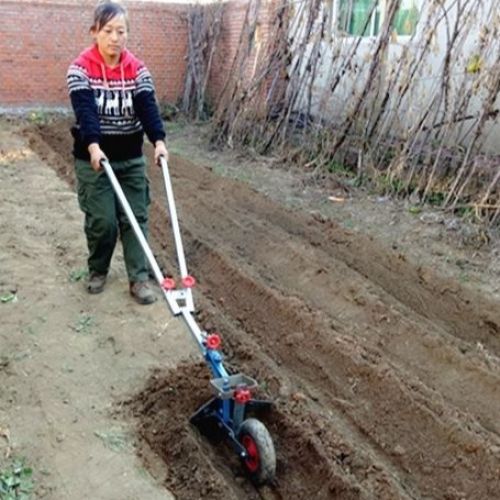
39	39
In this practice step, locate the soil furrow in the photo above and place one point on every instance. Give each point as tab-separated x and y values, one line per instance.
334	363
385	375
373	315
447	304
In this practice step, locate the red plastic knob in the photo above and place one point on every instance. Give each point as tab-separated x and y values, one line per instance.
213	341
242	396
188	282
168	284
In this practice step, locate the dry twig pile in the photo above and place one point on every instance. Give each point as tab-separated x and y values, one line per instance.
412	113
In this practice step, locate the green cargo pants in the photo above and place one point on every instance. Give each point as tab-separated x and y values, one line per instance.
105	218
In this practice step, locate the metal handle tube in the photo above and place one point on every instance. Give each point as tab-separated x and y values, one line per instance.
191	323
173	217
133	221
194	329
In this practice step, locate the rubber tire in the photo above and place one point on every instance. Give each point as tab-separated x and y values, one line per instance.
267	456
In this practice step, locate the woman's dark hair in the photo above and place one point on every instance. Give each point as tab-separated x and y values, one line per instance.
105	11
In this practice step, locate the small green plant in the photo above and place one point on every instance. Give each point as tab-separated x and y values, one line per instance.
78	275
463	277
84	324
38	117
16	481
465	212
8	297
436	199
389	183
335	167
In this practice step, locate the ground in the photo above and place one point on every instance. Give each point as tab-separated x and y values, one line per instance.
374	328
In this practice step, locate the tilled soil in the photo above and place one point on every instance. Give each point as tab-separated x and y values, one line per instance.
385	376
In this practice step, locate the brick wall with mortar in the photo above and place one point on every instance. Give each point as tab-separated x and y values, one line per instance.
39	39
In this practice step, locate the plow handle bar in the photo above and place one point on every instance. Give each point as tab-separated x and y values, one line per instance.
195	330
173	217
135	226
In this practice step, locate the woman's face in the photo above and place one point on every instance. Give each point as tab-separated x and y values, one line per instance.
112	37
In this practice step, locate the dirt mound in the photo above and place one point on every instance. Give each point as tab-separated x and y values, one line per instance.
385	375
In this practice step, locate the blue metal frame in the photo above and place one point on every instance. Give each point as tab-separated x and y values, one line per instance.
214	358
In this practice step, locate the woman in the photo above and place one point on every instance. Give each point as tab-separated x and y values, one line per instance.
114	102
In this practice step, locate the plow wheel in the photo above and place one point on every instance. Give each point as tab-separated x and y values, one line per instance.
260	463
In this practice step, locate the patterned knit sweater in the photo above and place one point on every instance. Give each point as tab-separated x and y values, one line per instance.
113	106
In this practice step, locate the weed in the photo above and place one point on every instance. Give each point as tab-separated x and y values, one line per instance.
38	117
335	167
264	386
84	324
355	182
390	184
436	199
465	212
16	481
78	275
463	277
8	297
